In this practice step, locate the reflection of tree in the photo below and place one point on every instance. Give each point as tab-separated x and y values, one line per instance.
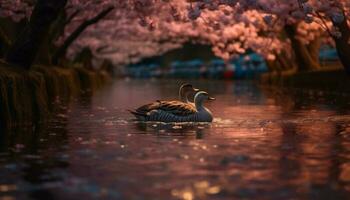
310	160
310	147
285	99
301	99
36	153
248	92
340	162
290	148
318	165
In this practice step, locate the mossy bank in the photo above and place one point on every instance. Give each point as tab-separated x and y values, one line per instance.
26	97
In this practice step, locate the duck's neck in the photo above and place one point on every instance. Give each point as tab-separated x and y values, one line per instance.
183	96
199	105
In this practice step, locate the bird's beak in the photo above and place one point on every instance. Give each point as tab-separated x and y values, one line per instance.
211	98
195	89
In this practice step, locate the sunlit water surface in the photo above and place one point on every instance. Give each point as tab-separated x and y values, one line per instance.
265	143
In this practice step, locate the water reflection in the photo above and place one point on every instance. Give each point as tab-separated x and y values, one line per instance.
31	159
264	143
184	130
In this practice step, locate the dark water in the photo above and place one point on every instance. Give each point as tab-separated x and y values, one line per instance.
265	143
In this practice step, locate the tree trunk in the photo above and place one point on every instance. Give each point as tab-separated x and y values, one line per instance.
48	47
63	49
85	58
304	59
314	49
44	53
285	61
24	50
272	65
342	44
5	42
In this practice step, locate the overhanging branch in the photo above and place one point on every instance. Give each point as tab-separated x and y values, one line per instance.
63	49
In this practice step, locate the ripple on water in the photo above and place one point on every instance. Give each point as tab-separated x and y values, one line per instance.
261	145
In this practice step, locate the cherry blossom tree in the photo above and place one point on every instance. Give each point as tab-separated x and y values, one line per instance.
230	30
47	19
331	16
24	49
126	31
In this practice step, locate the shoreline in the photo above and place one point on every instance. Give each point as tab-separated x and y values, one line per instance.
27	97
328	79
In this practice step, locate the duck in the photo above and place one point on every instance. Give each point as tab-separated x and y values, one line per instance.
184	91
179	112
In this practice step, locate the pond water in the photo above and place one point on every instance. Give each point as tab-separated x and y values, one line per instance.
265	143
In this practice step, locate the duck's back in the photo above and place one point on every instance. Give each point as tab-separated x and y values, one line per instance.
173	107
